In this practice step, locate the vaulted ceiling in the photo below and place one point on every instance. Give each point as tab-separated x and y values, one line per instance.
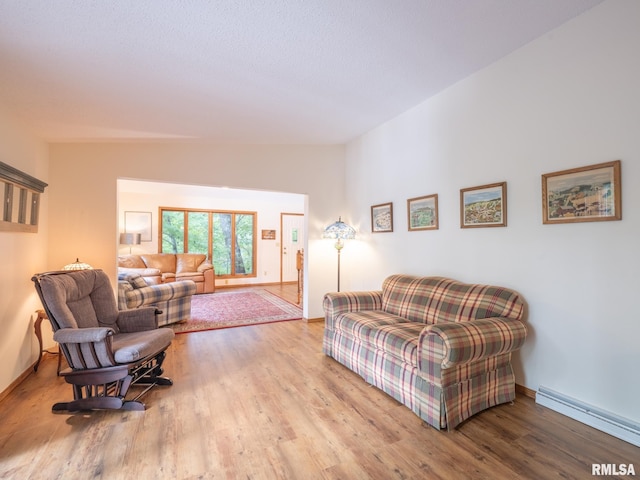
254	71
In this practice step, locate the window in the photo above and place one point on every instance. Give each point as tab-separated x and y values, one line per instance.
226	237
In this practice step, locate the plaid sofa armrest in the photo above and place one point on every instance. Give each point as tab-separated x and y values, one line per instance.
159	293
451	344
124	289
337	303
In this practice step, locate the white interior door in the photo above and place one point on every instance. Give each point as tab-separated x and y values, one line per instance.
292	241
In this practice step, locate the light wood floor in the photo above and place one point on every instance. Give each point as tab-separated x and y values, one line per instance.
263	402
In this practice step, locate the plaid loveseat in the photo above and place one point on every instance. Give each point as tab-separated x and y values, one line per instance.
172	299
440	347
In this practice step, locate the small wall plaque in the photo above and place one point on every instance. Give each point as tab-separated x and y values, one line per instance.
268	234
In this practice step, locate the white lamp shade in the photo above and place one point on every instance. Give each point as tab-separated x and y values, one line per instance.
130	238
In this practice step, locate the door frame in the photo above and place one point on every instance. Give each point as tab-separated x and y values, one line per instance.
304	228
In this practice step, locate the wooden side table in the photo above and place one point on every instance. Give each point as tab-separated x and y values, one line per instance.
37	326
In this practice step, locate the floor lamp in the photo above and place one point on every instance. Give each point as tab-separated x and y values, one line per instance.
130	239
339	231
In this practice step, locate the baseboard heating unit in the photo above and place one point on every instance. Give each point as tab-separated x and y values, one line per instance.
619	427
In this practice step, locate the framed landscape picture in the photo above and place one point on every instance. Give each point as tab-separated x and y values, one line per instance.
382	218
423	213
586	194
484	206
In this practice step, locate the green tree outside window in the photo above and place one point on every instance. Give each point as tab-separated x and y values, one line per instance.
227	238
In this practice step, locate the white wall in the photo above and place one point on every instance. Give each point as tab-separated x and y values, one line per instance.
83	194
21	255
150	196
566	100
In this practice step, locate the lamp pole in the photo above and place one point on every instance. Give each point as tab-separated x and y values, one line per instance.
339	246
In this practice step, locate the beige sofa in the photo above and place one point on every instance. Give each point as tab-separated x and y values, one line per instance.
157	268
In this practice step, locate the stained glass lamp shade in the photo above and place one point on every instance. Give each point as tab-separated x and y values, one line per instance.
77	265
339	231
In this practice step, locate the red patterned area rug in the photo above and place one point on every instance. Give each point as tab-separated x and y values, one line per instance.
235	309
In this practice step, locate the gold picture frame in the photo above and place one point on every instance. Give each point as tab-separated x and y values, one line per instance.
422	213
484	206
586	194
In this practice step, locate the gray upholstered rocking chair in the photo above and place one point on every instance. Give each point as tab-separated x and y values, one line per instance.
107	350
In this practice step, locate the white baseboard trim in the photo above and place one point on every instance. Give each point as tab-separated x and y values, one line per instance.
602	420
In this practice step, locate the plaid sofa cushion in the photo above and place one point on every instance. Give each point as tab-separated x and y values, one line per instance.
437	299
408	296
384	332
399	340
360	324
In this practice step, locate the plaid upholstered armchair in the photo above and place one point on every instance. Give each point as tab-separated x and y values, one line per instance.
107	350
173	300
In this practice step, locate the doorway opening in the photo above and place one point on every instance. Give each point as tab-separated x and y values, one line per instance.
149	196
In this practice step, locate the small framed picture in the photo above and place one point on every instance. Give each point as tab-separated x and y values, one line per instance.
138	222
268	234
586	194
423	213
484	206
382	218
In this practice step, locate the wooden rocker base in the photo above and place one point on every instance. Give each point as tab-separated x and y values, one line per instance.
106	388
98	403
